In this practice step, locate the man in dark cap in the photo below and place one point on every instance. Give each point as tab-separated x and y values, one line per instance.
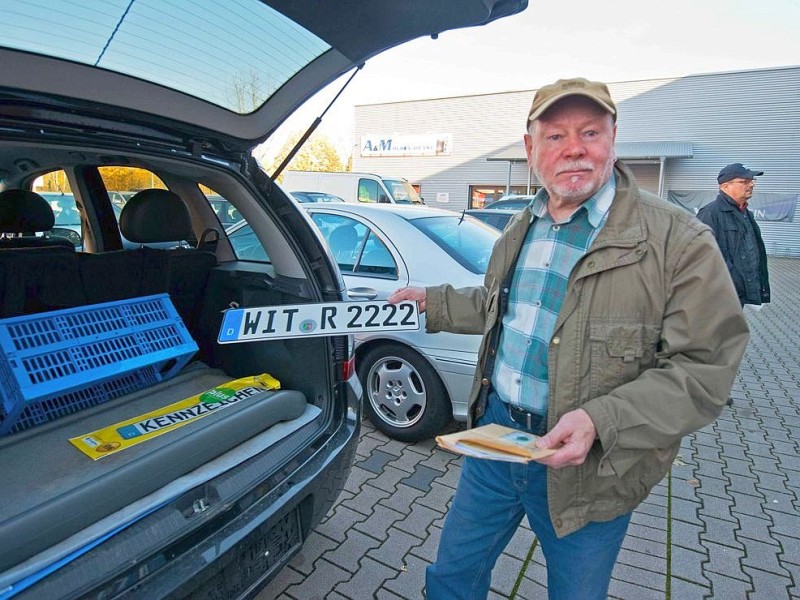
610	328
738	234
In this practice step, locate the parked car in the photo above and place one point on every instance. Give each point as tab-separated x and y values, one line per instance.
305	197
119	199
497	218
509	202
226	212
226	493
355	187
414	382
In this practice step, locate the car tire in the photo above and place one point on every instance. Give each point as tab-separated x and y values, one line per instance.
404	397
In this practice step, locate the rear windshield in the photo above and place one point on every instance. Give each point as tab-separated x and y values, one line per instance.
465	239
204	49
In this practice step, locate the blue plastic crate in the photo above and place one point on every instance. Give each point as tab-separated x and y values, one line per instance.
58	362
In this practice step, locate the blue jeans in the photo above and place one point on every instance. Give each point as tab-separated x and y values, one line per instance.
491	499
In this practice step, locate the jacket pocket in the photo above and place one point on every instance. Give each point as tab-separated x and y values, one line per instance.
620	351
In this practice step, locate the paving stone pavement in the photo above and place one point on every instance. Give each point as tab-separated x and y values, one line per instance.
724	524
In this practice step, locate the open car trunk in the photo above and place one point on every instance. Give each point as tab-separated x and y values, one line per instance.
71	524
58	502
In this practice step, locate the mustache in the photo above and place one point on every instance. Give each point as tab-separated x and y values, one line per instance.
577	165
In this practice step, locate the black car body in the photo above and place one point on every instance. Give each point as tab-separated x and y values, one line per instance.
182	91
509	203
497	218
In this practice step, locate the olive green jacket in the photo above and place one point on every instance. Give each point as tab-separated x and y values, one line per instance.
648	342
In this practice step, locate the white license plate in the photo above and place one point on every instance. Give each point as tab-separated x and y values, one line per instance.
310	320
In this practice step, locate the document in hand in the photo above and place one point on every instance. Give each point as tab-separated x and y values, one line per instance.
494	442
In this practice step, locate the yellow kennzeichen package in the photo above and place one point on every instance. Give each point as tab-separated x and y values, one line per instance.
119	436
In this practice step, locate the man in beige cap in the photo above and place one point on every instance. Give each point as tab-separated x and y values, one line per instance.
611	328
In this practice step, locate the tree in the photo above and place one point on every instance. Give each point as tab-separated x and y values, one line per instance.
317	154
245	92
129	178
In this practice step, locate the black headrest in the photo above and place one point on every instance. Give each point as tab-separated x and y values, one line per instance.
153	216
23	211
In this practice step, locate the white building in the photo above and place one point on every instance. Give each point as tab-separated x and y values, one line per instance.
676	134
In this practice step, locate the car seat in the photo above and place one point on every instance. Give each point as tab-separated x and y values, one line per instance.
152	216
155	216
23	214
343	242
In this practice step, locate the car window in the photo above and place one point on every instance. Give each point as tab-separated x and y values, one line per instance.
465	239
54	188
357	248
226	212
510	203
345	236
246	245
65	210
171	58
498	219
66	215
376	258
315	197
123	182
402	191
367	190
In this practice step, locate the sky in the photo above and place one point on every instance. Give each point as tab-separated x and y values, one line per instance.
613	41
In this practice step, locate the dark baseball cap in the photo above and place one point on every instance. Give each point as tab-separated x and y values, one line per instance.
736	170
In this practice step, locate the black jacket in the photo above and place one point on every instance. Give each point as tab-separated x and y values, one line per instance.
721	216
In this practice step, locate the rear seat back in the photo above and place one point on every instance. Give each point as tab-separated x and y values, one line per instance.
37	273
123	274
39	279
51	278
152	216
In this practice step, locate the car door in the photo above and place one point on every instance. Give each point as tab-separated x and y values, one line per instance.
370	264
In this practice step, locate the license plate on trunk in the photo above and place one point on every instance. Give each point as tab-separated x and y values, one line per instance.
309	320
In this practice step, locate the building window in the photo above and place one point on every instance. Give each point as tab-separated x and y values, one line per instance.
481	195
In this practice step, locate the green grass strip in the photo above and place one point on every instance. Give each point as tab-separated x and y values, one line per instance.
524	568
668	594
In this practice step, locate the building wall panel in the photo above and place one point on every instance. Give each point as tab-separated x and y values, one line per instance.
743	116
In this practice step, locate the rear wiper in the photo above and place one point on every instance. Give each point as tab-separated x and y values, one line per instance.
313	127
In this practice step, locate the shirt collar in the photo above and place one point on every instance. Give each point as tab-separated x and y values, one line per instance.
597	206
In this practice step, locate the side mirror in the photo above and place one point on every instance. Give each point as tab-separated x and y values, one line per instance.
64	232
383	199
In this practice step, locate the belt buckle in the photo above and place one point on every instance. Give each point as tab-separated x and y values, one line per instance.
512	410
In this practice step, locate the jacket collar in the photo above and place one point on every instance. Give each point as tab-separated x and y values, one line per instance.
727	203
625	225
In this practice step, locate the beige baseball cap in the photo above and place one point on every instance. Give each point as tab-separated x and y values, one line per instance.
548	95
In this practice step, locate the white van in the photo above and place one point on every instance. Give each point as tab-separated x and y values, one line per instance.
353	187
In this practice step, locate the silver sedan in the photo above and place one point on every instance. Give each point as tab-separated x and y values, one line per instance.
414	382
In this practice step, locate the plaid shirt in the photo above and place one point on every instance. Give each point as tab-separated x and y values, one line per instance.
539	284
